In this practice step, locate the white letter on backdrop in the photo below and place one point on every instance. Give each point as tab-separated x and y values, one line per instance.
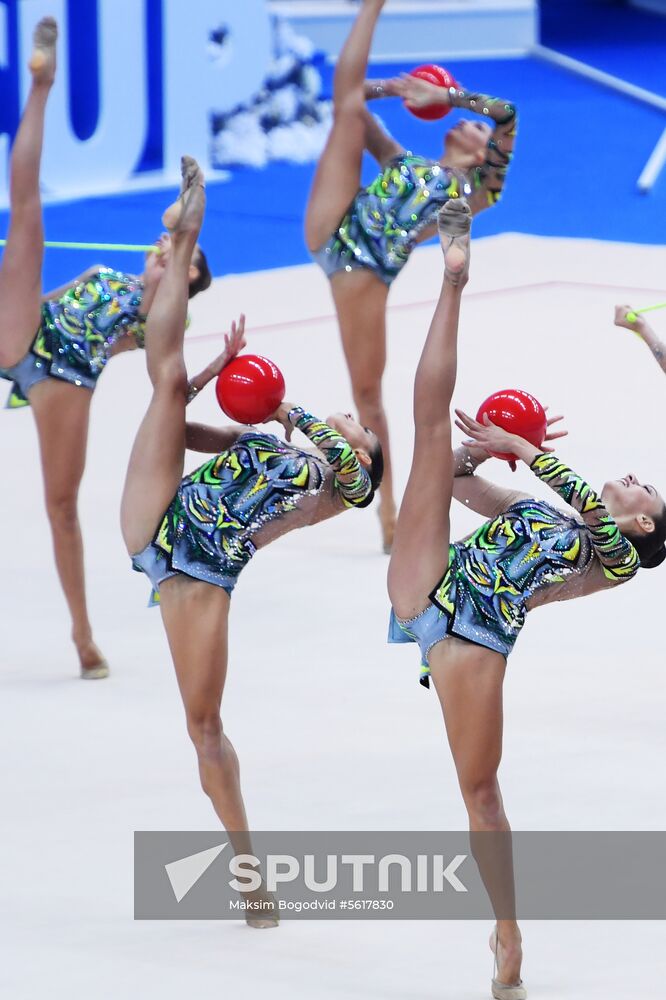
106	160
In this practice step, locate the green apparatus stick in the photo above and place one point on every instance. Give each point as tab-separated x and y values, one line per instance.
633	316
59	245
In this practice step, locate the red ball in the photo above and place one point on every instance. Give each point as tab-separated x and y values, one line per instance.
250	388
441	78
518	413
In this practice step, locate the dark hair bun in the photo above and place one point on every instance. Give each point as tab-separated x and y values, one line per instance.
371	496
656	559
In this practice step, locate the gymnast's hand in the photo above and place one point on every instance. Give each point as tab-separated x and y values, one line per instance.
391	87
418	93
234	343
553	435
485	435
155	260
621	314
492	438
282	417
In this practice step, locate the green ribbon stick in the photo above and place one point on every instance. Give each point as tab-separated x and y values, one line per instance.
59	245
633	316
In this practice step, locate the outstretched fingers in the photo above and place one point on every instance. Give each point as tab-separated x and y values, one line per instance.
468	424
235	341
554	435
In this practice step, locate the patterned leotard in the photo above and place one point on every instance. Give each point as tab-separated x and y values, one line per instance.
77	332
385	220
382	226
496	574
244	498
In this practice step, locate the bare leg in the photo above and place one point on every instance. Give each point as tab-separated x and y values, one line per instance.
21	271
156	463
62	414
195	614
195	617
360	301
468	680
338	175
420	549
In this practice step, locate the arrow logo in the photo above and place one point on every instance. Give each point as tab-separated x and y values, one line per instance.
186	872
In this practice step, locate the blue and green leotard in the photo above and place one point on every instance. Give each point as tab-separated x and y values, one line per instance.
78	331
492	575
386	219
246	497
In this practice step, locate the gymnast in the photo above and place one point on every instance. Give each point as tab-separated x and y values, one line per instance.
464	603
363	238
54	348
192	536
641	326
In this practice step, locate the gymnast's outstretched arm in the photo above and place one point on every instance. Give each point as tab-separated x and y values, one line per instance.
480	495
476	493
212	440
381	146
351	475
488	178
235	342
615	552
644	331
202	437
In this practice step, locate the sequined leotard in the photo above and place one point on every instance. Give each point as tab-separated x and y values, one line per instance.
527	556
385	220
78	331
249	495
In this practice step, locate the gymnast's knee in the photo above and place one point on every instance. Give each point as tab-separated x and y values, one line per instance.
483	800
61	507
170	376
204	727
349	106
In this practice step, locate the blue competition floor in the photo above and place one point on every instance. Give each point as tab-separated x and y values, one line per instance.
581	149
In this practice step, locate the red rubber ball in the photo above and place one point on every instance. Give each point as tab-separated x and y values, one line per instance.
250	388
441	78
517	412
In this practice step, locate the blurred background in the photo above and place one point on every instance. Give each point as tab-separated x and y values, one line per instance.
246	88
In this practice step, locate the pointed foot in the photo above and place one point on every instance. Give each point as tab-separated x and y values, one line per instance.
42	63
186	213
454	224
